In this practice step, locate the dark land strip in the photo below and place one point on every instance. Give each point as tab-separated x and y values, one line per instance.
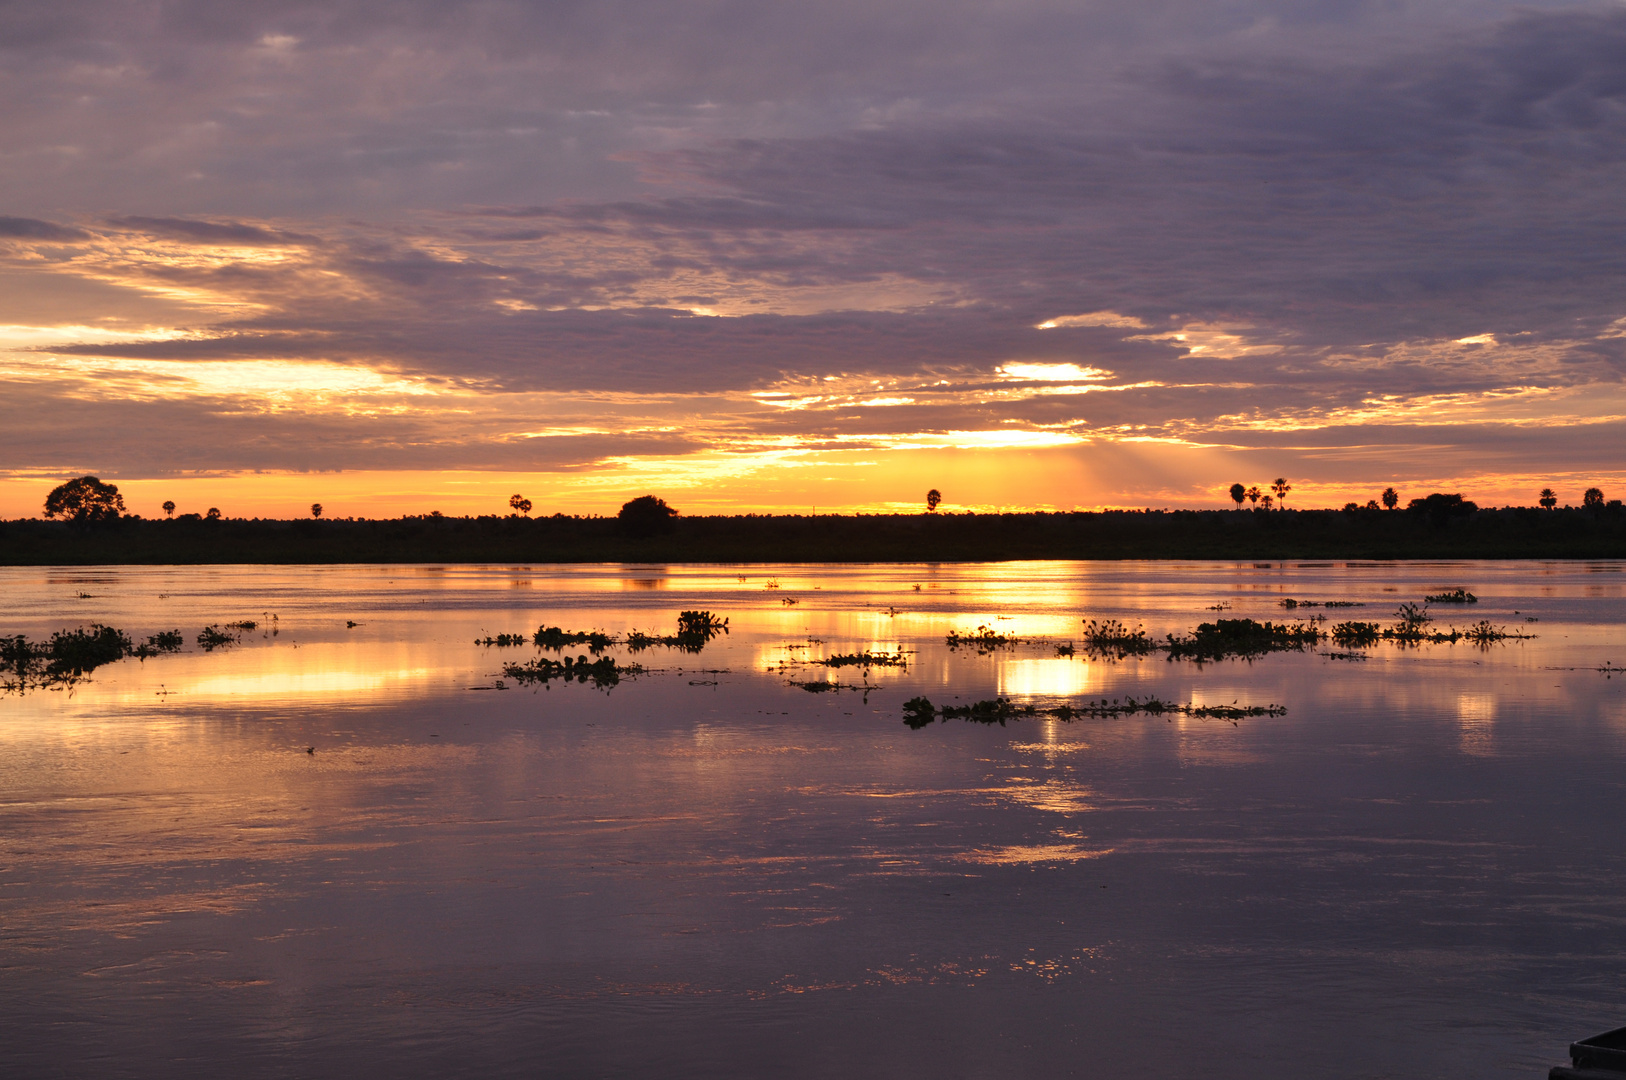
1512	533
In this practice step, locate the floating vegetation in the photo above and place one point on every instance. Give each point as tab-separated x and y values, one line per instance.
1289	603
166	641
822	686
69	655
1113	637
918	712
603	672
1357	633
1483	633
701	624
1346	656
502	641
788	600
1065	648
1223	605
245	624
695	629
551	637
865	660
212	638
985	639
1609	670
1411	628
1454	596
1225	638
1246	638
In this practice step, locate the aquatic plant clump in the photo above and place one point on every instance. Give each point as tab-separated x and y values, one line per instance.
1357	633
502	641
1454	596
1411	629
211	638
67	656
984	639
1112	636
865	660
695	630
1225	638
603	672
918	712
166	641
1289	603
552	637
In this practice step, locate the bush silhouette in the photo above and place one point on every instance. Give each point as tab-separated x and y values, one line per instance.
1238	493
85	501
646	516
1593	499
933	497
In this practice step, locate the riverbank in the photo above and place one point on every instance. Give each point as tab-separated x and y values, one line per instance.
1513	533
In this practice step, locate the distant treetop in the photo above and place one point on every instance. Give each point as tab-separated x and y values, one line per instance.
645	516
85	500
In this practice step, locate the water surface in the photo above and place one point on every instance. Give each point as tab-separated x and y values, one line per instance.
708	870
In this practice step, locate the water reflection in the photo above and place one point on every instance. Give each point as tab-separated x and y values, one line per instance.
342	848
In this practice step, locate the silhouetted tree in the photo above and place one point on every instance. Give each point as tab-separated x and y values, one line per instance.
1440	506
1268	501
1238	493
213	514
1549	498
1372	504
521	504
1391	498
316	510
933	497
1593	499
169	508
1253	495
1281	487
85	501
645	516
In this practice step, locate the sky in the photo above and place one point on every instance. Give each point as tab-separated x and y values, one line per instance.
776	256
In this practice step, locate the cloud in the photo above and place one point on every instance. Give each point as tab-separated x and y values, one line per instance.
1177	221
34	229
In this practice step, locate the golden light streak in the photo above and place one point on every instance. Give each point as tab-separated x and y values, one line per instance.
1054	372
1094	318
